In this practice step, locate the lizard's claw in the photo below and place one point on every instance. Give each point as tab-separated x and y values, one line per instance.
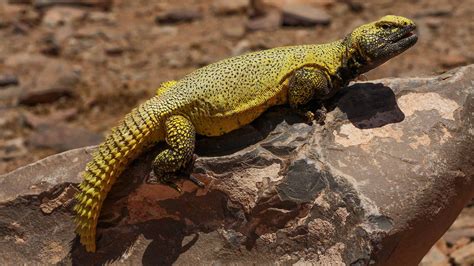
320	115
151	178
196	181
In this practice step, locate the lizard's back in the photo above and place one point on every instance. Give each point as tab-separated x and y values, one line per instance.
233	92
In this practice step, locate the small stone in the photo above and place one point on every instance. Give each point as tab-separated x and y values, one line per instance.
56	80
303	15
59	16
241	47
453	60
453	235
105	4
12	148
176	58
105	18
269	21
225	7
48	45
61	137
435	257
178	15
116	48
464	255
234	31
461	242
7	80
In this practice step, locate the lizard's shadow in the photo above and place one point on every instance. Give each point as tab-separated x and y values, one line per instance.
368	105
365	105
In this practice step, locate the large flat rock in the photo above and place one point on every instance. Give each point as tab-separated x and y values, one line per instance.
379	183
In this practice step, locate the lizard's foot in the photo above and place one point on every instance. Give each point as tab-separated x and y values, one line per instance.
309	117
166	179
172	185
320	115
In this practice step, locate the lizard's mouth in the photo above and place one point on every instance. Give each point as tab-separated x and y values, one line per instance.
406	36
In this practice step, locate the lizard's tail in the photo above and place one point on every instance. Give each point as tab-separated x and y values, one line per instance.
138	129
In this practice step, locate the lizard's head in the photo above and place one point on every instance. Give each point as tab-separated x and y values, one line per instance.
383	39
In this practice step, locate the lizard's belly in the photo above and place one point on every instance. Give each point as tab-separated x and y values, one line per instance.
219	124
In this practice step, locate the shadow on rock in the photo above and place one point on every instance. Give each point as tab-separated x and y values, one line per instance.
156	214
368	105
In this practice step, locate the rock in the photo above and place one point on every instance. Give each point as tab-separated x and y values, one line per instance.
49	45
435	257
178	15
56	116
225	7
378	183
61	137
303	15
464	255
105	18
56	80
59	16
7	80
453	235
234	31
269	21
103	4
453	60
12	148
241	47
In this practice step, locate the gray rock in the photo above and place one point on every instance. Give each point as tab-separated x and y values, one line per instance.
61	137
57	79
104	4
435	257
225	7
464	255
303	15
270	21
379	183
7	80
178	15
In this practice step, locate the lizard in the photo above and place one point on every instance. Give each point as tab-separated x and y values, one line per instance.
225	95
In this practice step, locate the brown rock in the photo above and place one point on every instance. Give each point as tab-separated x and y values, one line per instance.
56	80
269	21
225	7
453	60
464	255
178	15
454	235
104	4
12	148
61	137
234	31
7	80
59	16
357	190
435	257
302	15
48	45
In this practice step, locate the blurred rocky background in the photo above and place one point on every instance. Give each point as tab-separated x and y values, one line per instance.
70	69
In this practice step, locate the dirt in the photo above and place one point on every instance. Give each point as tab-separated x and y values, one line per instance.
81	68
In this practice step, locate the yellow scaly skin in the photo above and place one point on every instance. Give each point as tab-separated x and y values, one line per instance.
226	95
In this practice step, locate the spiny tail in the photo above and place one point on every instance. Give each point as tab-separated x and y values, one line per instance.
137	130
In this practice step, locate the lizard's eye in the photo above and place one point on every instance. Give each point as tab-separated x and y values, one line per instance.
385	26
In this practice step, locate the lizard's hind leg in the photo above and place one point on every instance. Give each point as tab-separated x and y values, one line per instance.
180	137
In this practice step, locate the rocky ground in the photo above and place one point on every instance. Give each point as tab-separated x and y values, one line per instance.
70	71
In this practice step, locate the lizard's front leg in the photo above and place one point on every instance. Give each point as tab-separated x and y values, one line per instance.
180	137
309	83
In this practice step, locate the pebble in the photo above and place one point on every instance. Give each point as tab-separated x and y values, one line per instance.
304	15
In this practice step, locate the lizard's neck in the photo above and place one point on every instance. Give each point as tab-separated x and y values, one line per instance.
352	62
